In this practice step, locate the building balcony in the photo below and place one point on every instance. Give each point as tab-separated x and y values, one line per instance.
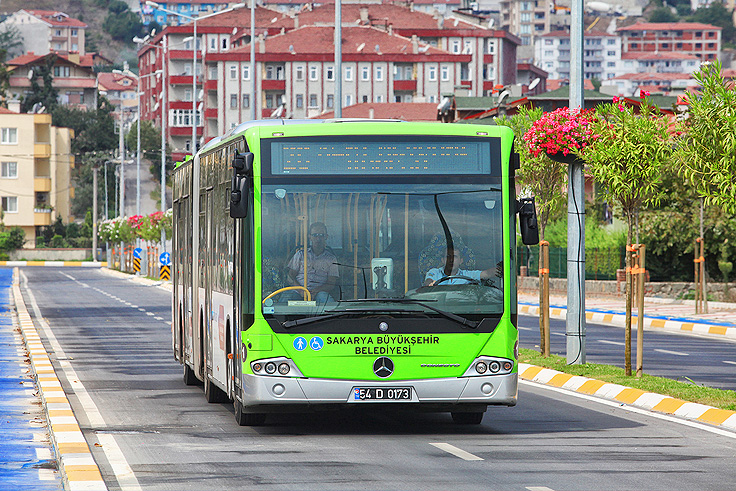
210	85
466	83
41	150
42	184
405	85
183	131
183	79
41	216
210	113
273	85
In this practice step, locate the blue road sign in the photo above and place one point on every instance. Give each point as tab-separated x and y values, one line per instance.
316	343
137	252
165	259
300	343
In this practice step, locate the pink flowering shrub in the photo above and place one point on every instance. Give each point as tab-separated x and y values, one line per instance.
562	131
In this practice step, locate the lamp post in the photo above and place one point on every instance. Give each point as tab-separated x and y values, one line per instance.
95	168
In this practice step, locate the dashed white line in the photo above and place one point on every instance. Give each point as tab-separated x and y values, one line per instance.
729	362
141	309
524	328
558	334
159	318
605	341
539	488
150	313
457	452
668	352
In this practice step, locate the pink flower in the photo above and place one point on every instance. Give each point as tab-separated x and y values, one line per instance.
643	93
616	99
561	131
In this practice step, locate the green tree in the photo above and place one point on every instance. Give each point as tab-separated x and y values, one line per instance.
11	42
627	160
663	14
540	177
718	15
121	23
707	150
45	94
94	130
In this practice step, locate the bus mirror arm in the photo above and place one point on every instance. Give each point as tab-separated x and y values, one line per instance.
241	184
528	221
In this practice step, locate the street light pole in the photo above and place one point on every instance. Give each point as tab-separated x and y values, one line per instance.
253	58
138	150
194	90
95	168
163	136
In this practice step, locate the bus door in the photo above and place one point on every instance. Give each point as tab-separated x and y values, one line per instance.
207	260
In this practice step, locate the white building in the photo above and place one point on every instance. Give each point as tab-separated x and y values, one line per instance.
601	55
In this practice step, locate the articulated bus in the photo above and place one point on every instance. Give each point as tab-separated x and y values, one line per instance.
344	263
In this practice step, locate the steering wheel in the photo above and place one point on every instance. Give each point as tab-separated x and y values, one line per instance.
471	281
309	294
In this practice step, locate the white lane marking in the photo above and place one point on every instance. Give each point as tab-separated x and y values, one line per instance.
729	362
558	334
618	405
46	475
150	313
141	309
457	452
123	473
539	488
43	453
159	318
605	341
525	328
667	352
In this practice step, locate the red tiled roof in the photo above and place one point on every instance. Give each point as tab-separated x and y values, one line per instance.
408	111
50	16
86	60
654	76
320	40
662	55
4	110
112	81
379	13
240	18
556	83
668	26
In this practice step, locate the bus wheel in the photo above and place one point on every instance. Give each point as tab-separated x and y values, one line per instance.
247	419
213	393
468	418
189	377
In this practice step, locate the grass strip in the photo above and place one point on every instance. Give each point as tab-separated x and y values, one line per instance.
723	399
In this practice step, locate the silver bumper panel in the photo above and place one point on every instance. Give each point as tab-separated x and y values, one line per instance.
491	390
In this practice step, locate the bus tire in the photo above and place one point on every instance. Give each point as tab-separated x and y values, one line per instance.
473	418
213	393
189	377
247	419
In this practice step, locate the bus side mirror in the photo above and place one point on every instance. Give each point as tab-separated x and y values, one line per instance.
241	184
528	221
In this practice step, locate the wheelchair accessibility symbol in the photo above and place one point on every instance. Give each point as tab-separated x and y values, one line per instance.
300	343
316	343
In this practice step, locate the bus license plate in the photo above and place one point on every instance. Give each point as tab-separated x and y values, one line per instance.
382	394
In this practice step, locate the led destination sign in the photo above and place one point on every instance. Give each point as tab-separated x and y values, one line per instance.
456	156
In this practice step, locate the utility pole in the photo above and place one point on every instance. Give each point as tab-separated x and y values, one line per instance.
121	149
575	327
95	168
338	59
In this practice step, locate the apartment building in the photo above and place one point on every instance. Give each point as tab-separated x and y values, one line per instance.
189	8
35	171
700	40
528	19
601	55
73	76
457	55
46	31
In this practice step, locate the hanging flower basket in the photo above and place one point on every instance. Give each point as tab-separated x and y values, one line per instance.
561	134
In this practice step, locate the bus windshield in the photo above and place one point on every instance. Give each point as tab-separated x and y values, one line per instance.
382	241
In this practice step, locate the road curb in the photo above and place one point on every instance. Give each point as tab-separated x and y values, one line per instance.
77	467
627	395
619	320
83	264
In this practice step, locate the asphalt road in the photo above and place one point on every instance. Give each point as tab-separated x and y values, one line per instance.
148	430
702	360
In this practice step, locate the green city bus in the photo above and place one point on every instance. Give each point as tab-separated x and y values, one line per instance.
342	263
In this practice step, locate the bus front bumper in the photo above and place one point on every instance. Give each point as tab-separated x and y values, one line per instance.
260	390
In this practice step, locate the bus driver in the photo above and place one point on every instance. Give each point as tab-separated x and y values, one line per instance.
435	274
322	271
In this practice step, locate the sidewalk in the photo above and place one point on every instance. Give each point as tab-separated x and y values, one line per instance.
659	313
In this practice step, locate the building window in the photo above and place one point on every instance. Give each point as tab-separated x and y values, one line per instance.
10	170
188	95
58	32
233	101
526	40
489	72
634	45
379	73
526	17
274	72
299	72
224	44
312	100
455	46
246	72
348	74
432	98
299	101
611	64
432	74
10	204
269	101
364	99
61	71
330	73
445	73
365	73
379	98
313	74
468	47
188	146
246	100
491	46
330	101
74	33
526	6
9	136
548	42
213	44
233	72
348	100
549	53
611	53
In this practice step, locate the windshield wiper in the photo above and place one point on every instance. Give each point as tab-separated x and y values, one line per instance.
448	315
339	313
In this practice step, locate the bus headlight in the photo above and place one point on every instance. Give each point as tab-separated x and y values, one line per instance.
275	367
488	365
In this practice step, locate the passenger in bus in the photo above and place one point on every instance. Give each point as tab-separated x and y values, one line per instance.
435	274
322	271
